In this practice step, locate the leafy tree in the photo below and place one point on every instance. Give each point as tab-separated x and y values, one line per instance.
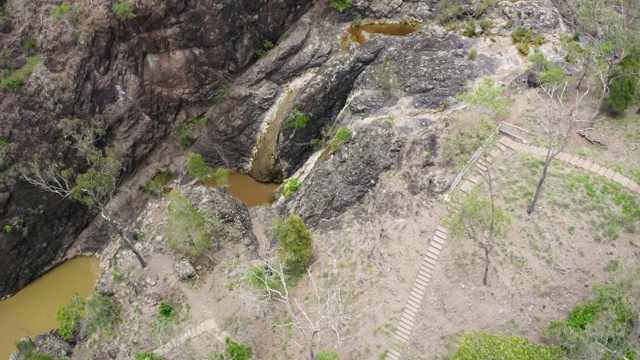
477	218
96	186
296	244
489	96
485	346
69	316
123	10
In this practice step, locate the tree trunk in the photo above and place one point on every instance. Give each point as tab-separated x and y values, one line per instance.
486	266
580	82
532	207
130	246
124	237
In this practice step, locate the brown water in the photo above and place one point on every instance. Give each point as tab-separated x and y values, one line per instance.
384	29
32	310
244	188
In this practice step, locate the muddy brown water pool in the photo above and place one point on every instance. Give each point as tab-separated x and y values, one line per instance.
384	29
32	310
244	188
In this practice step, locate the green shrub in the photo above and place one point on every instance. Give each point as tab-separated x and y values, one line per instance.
198	169
147	356
481	345
291	187
27	43
623	83
27	351
296	244
123	10
341	5
233	350
449	11
343	135
69	316
102	313
152	187
166	310
357	20
522	35
297	119
15	80
473	54
605	322
221	94
189	230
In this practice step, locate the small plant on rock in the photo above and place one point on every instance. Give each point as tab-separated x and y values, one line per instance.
123	10
166	310
343	135
296	244
341	5
69	316
297	119
198	169
291	187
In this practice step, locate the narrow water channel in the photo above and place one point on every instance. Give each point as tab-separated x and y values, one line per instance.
385	29
32	310
244	188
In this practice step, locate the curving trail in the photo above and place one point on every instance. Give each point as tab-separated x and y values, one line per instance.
420	286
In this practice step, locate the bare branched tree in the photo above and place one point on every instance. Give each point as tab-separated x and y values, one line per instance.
317	314
560	124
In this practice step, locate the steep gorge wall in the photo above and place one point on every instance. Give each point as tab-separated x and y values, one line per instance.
137	76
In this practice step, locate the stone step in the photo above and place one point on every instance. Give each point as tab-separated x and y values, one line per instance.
436	245
418	292
409	319
417	299
403	331
401	337
420	287
406	326
422	281
433	253
431	256
393	355
414	303
443	229
411	312
411	308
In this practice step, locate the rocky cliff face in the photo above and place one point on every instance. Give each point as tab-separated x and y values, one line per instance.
138	76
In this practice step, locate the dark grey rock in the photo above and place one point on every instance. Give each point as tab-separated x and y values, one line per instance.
341	181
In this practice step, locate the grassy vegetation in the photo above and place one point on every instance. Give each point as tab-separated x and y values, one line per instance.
163	325
609	208
341	5
123	10
186	129
27	351
102	314
481	345
524	38
384	77
199	170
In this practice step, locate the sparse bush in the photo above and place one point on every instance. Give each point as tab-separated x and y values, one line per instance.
69	316
221	175
123	10
220	94
473	54
291	187
102	313
522	35
297	119
233	351
341	5
15	80
465	137
67	11
198	169
489	96
449	11
266	46
185	127
482	345
296	244
27	351
357	20
486	25
155	186
384	77
28	44
470	29
343	135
